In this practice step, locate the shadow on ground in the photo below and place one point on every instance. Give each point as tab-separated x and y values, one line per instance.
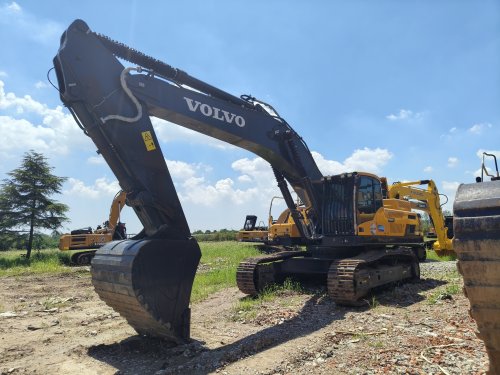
150	356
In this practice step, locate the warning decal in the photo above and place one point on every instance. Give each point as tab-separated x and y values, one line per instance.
148	140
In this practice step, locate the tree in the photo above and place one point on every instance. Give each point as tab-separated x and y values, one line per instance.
25	201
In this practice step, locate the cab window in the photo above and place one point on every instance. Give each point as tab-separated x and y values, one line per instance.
369	195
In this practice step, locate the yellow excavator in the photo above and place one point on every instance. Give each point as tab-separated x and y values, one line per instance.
477	244
427	200
88	241
281	231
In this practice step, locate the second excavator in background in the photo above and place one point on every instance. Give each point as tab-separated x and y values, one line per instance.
87	241
428	200
281	231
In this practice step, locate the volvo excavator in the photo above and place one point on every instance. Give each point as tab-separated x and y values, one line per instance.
427	200
351	240
87	241
476	225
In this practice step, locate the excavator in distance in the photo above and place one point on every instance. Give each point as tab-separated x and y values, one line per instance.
428	200
476	225
87	241
351	240
281	232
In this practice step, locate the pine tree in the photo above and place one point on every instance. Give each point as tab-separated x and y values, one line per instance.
25	202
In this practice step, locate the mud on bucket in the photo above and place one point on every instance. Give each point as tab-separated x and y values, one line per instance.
149	283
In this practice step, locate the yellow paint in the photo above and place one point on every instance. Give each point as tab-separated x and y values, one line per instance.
148	140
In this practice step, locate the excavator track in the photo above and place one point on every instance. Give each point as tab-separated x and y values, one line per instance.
149	283
477	244
350	279
254	274
83	258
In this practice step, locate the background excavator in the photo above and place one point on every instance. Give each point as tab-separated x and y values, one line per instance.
281	231
427	200
88	240
477	244
351	239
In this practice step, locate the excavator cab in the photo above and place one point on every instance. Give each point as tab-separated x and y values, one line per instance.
250	222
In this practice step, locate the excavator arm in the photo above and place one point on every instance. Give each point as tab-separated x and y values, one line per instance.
112	104
113	107
431	204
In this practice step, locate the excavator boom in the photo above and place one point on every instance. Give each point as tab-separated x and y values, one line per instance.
152	286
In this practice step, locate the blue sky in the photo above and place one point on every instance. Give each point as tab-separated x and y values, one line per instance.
409	90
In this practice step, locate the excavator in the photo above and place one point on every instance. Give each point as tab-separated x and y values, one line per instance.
88	240
351	240
427	200
476	225
284	232
281	232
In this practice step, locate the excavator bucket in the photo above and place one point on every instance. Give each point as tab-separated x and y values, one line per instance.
149	283
477	244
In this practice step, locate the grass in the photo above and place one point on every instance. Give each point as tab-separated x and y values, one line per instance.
217	270
376	344
373	303
453	287
13	263
219	261
247	307
432	255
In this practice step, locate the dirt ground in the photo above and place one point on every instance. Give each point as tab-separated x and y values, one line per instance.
58	325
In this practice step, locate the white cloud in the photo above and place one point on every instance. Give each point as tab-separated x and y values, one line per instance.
101	187
244	178
96	160
452	162
450	186
479	128
27	25
3	74
53	132
13	7
404	114
256	169
363	160
428	169
41	85
449	189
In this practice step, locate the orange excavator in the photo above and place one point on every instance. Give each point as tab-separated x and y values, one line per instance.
351	239
87	241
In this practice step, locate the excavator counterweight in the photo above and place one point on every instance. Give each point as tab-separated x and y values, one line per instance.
476	226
